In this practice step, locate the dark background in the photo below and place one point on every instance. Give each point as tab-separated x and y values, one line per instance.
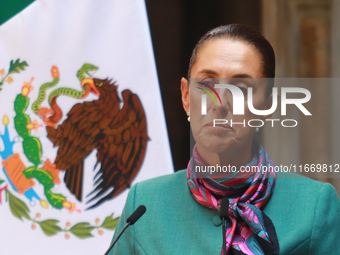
176	26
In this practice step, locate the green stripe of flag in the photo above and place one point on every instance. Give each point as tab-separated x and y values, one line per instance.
9	8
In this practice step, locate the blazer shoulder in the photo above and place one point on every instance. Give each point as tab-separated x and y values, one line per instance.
170	181
168	190
293	181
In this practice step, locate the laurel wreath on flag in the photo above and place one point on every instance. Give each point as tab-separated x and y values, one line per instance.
50	227
14	67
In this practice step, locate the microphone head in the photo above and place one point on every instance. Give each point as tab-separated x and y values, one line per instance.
224	208
136	214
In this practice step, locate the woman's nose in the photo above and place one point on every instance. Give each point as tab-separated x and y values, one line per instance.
221	111
227	101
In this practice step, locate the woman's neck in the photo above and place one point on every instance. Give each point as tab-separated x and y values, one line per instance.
234	157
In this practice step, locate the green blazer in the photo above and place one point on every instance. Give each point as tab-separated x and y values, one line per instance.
305	214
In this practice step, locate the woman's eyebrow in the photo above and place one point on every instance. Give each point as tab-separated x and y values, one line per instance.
242	76
208	71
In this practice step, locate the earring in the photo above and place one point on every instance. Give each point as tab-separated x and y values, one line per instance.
257	129
188	114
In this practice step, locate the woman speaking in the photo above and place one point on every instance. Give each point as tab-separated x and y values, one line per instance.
267	212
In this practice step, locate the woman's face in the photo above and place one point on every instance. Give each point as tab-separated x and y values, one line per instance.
224	61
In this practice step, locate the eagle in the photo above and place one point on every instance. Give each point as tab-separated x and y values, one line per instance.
119	134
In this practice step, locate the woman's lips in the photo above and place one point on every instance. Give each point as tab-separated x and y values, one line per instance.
211	124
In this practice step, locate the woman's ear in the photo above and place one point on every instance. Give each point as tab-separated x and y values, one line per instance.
185	94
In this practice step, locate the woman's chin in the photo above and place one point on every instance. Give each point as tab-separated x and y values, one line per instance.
216	144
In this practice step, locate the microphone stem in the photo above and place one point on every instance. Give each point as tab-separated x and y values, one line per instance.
114	242
224	241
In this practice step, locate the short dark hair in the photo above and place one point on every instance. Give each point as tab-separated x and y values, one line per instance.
249	35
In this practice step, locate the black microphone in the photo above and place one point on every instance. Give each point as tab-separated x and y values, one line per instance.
130	221
136	214
224	208
224	215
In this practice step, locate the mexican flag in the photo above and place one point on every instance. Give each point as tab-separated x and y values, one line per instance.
81	121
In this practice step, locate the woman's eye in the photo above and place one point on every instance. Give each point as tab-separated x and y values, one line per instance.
207	83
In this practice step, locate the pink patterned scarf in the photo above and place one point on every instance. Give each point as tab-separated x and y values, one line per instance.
249	230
